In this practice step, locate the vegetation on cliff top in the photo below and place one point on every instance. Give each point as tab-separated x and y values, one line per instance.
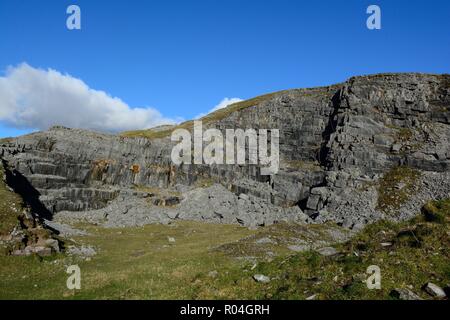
395	188
219	114
214	116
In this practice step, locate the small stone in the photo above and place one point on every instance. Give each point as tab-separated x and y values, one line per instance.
83	251
434	290
213	274
39	250
447	290
327	251
382	140
173	215
261	278
53	244
171	239
400	186
396	147
313	297
358	226
404	294
298	248
243	196
20	253
265	240
386	244
313	202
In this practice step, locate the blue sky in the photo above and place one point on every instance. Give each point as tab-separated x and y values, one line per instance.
182	58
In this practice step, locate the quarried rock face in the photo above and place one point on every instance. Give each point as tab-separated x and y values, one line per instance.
333	141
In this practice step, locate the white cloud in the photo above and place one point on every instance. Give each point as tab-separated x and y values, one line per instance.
223	104
36	98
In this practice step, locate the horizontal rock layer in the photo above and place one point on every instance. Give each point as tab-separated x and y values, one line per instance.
331	139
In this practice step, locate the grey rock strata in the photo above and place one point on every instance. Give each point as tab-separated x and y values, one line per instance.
333	141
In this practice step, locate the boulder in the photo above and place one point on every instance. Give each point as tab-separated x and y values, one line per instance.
434	290
404	294
261	278
327	251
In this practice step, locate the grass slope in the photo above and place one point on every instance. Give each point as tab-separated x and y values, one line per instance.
140	263
10	207
214	116
418	253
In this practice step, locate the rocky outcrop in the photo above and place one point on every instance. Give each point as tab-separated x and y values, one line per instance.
21	231
333	141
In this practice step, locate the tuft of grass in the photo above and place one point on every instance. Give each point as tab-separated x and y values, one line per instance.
437	211
11	206
238	106
204	182
395	188
404	134
303	165
157	134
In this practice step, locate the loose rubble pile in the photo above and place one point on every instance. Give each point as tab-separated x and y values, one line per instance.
137	208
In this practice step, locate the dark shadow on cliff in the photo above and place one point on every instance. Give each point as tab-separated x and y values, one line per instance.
29	194
329	130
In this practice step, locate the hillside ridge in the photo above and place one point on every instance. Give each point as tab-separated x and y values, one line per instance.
340	146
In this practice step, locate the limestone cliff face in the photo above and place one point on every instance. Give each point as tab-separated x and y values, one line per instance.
330	138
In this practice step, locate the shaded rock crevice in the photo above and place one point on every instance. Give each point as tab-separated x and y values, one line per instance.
29	194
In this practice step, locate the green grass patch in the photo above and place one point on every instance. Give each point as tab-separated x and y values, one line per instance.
140	263
403	264
132	263
395	188
11	206
437	211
